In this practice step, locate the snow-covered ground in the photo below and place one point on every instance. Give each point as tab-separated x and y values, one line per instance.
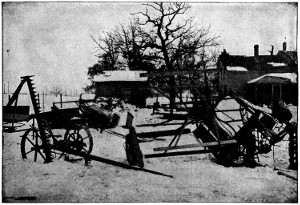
196	178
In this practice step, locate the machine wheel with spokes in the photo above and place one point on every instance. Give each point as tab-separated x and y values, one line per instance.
79	139
32	146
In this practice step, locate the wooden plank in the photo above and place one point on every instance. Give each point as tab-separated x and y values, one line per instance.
229	110
15	113
207	144
176	72
175	116
181	86
230	121
176	153
158	124
75	101
161	133
15	117
107	161
22	110
287	175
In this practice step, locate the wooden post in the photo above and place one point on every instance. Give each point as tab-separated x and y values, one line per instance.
280	92
129	120
255	93
61	104
43	101
172	93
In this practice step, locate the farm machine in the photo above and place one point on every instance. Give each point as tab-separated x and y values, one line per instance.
63	132
233	135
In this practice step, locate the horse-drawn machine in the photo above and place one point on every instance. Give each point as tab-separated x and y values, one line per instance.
54	133
233	136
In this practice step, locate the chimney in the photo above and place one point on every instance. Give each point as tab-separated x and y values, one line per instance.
256	50
284	46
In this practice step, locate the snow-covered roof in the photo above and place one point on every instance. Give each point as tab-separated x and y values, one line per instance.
290	77
276	64
117	76
211	67
236	68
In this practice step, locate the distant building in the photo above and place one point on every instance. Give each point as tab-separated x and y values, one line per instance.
235	71
126	85
264	89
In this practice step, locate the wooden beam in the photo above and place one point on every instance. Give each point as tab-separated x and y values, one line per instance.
175	116
176	72
158	124
229	110
161	133
107	161
176	153
230	121
207	144
181	86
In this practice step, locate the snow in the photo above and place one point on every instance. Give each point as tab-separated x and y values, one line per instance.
236	68
111	76
292	77
196	178
277	64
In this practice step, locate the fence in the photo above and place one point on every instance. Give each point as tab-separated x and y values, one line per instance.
46	100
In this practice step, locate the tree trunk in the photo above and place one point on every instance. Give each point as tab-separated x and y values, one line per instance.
172	93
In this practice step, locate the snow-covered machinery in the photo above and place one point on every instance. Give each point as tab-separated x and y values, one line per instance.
234	130
65	131
58	131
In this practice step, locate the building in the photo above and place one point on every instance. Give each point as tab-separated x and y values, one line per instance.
264	89
235	71
126	85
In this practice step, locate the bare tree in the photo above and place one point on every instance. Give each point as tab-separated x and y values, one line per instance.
56	90
108	53
121	48
174	39
132	47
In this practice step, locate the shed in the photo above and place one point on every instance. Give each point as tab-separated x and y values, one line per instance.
272	86
126	85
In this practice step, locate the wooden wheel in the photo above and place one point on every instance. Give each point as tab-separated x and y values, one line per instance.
32	146
79	139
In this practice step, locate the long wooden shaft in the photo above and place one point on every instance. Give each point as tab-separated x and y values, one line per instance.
107	161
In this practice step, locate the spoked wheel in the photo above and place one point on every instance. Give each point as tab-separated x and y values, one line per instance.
80	139
32	146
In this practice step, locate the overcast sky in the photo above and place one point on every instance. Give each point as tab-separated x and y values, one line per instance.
51	39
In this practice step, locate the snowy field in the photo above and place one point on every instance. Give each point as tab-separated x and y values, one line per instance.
195	178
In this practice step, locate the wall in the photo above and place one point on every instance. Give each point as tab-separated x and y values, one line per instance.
132	92
260	93
236	81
